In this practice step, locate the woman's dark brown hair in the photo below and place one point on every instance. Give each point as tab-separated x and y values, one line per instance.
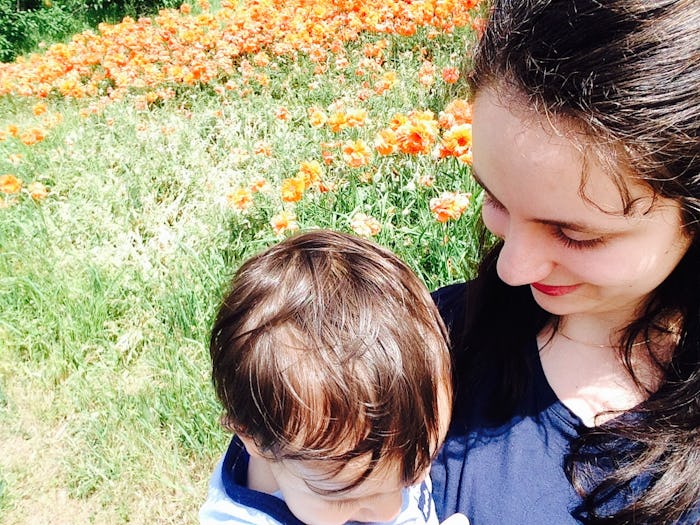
327	347
627	74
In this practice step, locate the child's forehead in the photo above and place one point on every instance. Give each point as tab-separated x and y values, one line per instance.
331	479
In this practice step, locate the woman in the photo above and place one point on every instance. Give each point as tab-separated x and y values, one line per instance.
578	345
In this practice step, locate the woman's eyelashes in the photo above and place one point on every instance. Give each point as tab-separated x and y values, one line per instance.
490	201
558	232
579	244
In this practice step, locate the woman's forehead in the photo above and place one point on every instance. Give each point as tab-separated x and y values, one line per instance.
516	149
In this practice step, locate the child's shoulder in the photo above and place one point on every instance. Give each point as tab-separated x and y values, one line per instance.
221	509
418	506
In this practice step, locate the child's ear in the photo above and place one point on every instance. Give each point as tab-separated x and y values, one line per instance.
249	444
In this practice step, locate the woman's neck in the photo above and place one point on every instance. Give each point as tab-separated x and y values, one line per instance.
583	363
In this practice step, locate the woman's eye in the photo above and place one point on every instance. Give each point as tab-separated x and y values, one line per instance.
491	202
570	242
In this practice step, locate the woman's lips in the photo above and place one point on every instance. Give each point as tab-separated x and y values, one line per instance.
554	290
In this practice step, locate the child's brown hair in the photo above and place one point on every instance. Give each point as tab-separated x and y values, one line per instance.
328	347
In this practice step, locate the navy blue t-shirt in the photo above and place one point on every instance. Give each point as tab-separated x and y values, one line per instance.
512	474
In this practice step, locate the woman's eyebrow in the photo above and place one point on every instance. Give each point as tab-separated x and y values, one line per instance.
483	187
565	225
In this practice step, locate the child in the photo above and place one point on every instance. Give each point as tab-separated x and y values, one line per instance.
332	364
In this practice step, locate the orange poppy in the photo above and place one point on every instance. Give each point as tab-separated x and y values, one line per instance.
317	117
10	184
284	221
240	198
32	136
293	189
449	206
385	142
259	185
356	154
457	142
310	172
365	225
37	190
450	75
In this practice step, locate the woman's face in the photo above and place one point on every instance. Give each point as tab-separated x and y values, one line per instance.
578	255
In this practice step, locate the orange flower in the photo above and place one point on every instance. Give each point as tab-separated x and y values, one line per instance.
260	185
458	111
418	135
326	186
355	117
398	120
317	117
449	206
366	177
282	114
37	191
284	221
10	184
385	142
374	50
261	59
457	142
426	74
262	79
240	198
337	121
341	62
179	47
262	148
365	225
39	108
426	180
310	171
385	83
478	24
327	156
356	154
317	54
450	75
293	189
15	158
31	136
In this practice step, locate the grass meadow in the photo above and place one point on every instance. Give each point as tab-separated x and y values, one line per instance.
141	162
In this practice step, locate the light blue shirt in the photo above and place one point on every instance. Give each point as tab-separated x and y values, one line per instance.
230	502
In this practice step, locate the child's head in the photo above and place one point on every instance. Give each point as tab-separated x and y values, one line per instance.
331	361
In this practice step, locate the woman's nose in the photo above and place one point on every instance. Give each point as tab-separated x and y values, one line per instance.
524	258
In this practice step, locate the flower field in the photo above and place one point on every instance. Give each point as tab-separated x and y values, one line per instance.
140	163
